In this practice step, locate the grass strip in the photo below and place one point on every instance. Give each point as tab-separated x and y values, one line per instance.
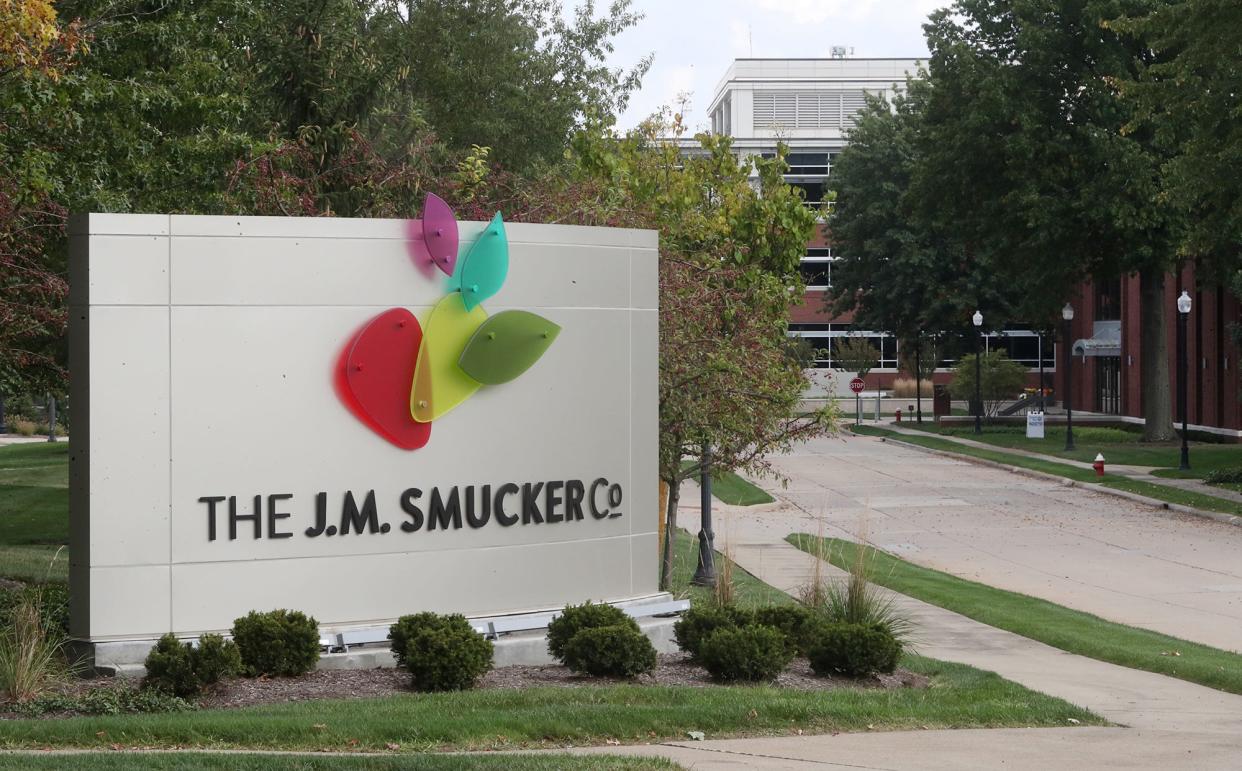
124	761
1138	486
35	563
1056	625
731	488
959	697
748	591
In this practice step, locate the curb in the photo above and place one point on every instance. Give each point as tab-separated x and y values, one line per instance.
1216	516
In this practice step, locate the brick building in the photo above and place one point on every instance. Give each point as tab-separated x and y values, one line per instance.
810	104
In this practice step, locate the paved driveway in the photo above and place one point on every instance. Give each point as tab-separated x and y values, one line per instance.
1123	561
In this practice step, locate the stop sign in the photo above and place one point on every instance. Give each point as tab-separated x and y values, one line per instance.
856	385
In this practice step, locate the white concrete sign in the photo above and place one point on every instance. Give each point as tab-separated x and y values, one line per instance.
216	467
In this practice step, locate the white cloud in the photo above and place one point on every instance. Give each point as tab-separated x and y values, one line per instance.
740	38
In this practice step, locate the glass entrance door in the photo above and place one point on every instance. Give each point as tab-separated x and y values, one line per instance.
1108	385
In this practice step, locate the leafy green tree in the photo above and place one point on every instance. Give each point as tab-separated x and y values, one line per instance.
1188	98
1027	159
1000	380
728	255
855	353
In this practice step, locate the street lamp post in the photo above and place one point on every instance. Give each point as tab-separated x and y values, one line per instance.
705	573
1183	313
1067	313
977	320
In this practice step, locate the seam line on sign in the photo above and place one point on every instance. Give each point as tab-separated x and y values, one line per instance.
407	552
394	240
629	423
168	466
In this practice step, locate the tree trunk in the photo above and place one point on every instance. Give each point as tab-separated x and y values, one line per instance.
1154	349
670	535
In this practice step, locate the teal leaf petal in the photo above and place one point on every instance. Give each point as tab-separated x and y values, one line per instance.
486	265
506	345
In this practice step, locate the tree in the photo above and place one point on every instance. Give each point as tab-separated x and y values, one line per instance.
1187	97
855	353
1027	159
999	379
728	255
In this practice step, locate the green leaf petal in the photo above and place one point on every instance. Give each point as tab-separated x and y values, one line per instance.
506	345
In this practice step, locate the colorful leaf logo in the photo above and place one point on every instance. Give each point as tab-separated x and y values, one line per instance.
397	376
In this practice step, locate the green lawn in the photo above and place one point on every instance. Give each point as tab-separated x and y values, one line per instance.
750	591
1118	446
1149	489
960	697
34	510
732	489
123	761
1055	625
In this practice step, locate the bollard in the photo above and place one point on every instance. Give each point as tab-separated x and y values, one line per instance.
1099	465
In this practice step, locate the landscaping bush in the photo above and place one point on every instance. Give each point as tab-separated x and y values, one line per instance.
183	670
1224	476
170	668
23	427
215	658
278	642
693	628
751	653
611	651
575	618
853	650
790	620
108	700
442	653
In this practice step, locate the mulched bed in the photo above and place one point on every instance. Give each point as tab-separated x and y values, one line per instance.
672	670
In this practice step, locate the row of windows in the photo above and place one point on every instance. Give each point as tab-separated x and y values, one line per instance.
1020	345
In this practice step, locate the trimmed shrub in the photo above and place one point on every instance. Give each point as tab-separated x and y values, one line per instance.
442	653
401	632
183	670
170	668
751	653
574	618
611	651
791	620
110	700
853	650
278	642
1224	476
215	658
694	627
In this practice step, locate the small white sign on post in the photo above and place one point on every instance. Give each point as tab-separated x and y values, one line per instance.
1034	425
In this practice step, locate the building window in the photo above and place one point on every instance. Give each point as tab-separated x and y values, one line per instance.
824	339
1023	346
1108	300
816	267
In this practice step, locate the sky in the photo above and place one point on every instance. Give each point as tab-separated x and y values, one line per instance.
694	41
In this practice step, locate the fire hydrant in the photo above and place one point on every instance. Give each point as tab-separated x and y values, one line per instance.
898	414
1099	464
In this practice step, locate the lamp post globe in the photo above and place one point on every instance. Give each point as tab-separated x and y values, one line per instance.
1183	313
1067	315
977	320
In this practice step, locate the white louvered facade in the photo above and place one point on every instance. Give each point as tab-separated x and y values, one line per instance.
826	109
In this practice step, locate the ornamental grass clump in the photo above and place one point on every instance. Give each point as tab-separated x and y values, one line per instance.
752	653
278	642
30	651
853	650
575	618
441	653
694	627
610	651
